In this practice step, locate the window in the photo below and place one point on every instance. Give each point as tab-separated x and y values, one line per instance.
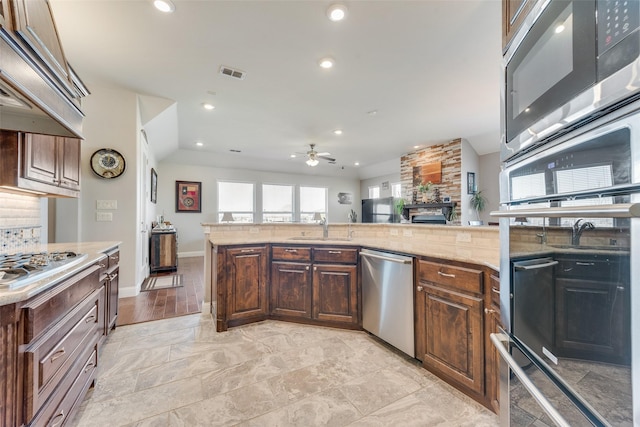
277	203
236	198
396	190
374	192
312	200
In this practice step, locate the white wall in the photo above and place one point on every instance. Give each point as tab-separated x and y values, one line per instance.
110	123
489	183
469	163
190	237
393	178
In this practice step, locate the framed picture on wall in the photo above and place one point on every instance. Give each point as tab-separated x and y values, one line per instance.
471	183
188	196
154	186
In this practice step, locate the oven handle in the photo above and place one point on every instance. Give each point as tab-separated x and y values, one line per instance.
622	210
498	340
535	266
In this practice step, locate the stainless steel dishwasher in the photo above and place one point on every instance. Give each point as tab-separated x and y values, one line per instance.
387	298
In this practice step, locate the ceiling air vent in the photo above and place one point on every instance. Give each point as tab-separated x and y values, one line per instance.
231	72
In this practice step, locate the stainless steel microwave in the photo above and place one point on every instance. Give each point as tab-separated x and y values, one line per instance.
570	63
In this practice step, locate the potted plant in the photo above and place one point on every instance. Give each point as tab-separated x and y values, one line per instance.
399	206
424	190
478	203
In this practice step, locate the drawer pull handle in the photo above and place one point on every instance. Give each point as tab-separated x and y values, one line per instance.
89	366
113	276
335	252
307	268
90	319
489	311
495	291
291	250
57	355
587	264
453	276
115	258
244	251
57	421
102	266
315	268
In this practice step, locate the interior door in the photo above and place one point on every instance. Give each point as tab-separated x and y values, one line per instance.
143	235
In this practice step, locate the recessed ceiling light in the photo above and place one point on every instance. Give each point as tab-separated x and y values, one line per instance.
416	146
356	164
337	132
208	106
293	156
337	12
165	6
326	62
199	144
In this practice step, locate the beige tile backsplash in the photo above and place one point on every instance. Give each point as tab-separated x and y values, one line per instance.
19	223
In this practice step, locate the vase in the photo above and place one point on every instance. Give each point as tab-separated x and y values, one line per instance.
425	197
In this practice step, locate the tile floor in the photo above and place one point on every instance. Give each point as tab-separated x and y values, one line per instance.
181	372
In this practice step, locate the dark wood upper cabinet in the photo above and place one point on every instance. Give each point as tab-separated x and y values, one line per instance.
513	14
33	22
46	164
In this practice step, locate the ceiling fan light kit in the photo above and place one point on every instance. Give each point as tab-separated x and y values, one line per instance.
337	12
312	162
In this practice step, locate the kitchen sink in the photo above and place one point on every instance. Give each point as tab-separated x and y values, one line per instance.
592	248
324	239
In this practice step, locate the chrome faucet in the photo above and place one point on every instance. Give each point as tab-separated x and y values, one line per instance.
325	228
577	230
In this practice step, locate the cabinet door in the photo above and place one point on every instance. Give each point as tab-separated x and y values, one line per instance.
335	294
247	282
513	14
40	158
454	336
112	298
291	289
34	23
69	157
592	320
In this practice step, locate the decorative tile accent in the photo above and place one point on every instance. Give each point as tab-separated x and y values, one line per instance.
19	223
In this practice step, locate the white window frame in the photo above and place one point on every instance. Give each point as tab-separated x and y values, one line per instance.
290	213
238	215
304	215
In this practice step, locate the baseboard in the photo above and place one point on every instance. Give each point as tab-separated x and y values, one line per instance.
124	292
190	254
206	308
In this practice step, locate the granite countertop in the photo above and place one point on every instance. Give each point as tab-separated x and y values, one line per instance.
94	250
432	250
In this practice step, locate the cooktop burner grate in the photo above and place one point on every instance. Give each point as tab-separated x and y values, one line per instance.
16	268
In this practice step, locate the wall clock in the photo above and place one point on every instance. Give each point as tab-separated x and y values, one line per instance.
107	163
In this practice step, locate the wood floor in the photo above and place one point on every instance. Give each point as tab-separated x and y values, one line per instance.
165	303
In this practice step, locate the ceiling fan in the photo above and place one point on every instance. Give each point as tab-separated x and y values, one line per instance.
313	156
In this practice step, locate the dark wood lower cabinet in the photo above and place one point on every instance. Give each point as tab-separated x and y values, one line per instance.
335	293
454	339
291	289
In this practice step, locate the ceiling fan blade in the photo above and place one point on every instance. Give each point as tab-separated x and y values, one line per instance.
330	159
323	154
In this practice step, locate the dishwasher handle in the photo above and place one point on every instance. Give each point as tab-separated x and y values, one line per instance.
386	258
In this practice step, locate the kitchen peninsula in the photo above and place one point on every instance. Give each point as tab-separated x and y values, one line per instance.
290	272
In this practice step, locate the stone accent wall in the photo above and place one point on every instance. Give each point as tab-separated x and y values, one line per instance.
449	155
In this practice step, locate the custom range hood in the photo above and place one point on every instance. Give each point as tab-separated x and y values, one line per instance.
39	92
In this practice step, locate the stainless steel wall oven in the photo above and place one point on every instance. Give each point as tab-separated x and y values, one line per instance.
570	289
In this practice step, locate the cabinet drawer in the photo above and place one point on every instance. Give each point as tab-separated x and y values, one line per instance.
49	358
114	259
57	411
494	282
589	268
291	253
335	255
43	311
461	278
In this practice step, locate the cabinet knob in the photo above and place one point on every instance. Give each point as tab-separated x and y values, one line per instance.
420	288
307	268
489	311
